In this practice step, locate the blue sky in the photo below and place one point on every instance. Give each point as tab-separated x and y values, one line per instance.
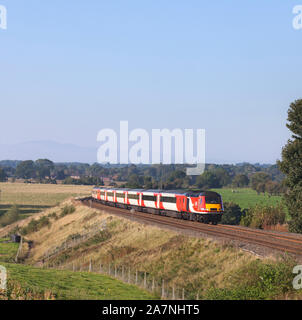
71	68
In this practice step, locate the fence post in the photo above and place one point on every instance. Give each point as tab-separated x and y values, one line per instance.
145	280
109	267
100	268
73	268
123	273
153	285
163	289
115	271
90	266
197	296
183	294
129	275
173	293
136	277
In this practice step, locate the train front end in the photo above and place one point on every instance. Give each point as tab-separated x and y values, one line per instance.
207	206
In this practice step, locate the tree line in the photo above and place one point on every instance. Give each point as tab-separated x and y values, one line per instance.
262	178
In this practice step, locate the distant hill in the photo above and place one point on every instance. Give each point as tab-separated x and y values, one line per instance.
57	152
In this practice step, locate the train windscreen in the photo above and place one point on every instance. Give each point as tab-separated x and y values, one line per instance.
213	199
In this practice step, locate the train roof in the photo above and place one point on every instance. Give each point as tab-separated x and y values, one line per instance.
188	193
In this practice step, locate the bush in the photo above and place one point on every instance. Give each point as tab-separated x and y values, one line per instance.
67	210
11	216
257	281
232	213
36	225
262	216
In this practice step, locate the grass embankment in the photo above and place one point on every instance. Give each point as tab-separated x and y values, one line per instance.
27	282
211	270
247	198
66	285
33	198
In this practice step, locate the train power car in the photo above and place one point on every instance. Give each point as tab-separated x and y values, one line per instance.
206	207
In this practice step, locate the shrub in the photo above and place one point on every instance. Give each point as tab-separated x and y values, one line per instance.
67	210
262	216
257	280
11	216
232	213
36	225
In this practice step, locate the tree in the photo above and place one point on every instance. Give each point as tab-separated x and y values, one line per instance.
259	178
291	166
43	168
273	188
232	213
240	181
26	169
208	180
3	176
10	216
222	176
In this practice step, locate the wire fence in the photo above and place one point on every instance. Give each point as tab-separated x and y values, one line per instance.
158	287
75	240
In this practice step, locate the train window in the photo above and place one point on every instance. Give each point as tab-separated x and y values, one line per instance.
133	196
149	198
168	199
120	195
109	194
212	199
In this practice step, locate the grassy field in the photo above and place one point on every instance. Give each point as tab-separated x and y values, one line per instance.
247	198
68	285
33	198
8	251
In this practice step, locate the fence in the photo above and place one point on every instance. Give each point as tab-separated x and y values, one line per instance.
76	240
158	287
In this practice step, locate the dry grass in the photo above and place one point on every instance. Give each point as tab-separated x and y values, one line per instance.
39	194
188	262
34	198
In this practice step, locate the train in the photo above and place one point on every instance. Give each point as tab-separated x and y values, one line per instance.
206	206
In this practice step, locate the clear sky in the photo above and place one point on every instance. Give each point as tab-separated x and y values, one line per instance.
70	68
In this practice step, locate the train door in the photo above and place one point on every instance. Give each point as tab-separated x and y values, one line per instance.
158	201
179	203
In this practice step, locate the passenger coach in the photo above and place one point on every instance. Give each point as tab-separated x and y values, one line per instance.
205	206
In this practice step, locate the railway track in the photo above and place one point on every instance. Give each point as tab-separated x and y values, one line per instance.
284	242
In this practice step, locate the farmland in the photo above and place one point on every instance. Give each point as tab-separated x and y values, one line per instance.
33	198
247	198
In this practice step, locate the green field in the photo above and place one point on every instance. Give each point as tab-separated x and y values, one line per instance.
247	198
33	198
68	285
8	251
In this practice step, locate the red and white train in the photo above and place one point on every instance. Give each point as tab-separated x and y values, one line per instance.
205	206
